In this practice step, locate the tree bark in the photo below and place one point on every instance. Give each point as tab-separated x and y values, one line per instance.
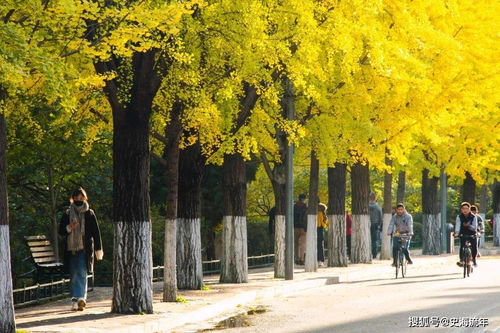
189	273
337	246
278	180
234	262
132	278
496	214
431	229
469	189
277	176
132	255
279	246
385	250
173	134
311	260
360	189
400	196
7	319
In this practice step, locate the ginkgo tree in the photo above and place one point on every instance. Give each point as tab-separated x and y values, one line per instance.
30	71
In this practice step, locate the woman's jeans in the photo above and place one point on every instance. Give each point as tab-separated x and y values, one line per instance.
78	275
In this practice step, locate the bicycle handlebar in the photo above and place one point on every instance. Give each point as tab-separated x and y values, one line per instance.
467	236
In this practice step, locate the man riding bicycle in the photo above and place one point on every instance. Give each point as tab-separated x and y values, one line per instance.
401	223
466	227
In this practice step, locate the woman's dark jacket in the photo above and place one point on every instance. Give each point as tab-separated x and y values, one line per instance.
91	240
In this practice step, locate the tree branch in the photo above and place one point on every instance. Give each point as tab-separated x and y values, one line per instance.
159	159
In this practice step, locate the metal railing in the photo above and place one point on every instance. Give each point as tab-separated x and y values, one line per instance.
40	293
214	266
43	292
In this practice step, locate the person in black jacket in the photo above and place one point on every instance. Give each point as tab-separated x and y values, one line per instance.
466	225
82	238
300	229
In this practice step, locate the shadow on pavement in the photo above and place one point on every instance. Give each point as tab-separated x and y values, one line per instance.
63	319
399	322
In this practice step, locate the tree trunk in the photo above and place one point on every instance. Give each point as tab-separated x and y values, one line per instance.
385	250
189	270
311	260
53	212
7	319
132	251
469	189
400	196
360	240
173	133
496	214
277	176
431	228
279	246
234	262
132	255
337	247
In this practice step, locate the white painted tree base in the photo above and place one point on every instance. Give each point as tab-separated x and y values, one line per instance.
431	234
7	320
279	246
189	268
337	243
170	262
496	230
361	251
132	268
234	261
385	250
311	260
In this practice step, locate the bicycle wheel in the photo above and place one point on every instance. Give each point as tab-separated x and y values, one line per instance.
466	262
402	258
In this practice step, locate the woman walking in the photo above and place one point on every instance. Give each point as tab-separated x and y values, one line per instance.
82	238
322	225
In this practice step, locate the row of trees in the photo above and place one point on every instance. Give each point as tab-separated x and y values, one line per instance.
395	85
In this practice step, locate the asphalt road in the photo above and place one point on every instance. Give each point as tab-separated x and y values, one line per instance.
380	303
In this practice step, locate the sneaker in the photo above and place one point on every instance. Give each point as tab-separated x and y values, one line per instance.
74	306
321	264
393	264
460	263
81	304
410	262
474	264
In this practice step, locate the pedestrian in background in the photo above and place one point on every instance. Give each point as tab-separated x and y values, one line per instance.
322	225
376	219
300	229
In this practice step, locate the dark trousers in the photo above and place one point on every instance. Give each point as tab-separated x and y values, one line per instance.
374	236
348	241
321	247
396	243
473	247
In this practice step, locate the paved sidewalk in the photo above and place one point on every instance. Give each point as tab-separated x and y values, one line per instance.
200	305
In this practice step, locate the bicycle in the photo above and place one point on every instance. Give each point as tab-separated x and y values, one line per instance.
466	252
400	256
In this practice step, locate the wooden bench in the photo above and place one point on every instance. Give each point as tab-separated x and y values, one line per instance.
44	259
